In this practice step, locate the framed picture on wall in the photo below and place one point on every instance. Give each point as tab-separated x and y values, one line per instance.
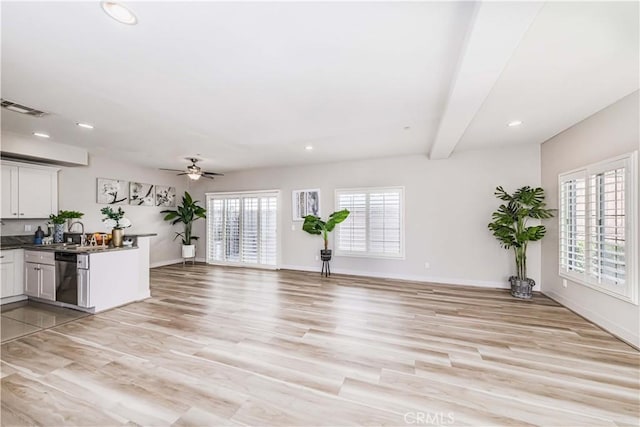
305	202
141	194
165	196
112	191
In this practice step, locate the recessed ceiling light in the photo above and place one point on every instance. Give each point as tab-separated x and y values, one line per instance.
119	12
85	125
41	135
514	123
308	147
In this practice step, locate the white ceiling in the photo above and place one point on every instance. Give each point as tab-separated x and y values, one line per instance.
248	85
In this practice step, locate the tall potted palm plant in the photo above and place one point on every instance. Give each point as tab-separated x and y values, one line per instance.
186	213
510	227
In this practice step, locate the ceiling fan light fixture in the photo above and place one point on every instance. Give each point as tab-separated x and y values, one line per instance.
194	176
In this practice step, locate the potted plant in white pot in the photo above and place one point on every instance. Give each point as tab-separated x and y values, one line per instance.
186	213
509	226
117	222
314	225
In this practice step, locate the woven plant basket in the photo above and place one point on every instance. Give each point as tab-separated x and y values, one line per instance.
521	288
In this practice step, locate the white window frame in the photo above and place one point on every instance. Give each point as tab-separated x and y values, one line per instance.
368	254
233	194
630	163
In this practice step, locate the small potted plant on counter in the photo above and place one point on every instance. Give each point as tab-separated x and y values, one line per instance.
117	222
186	213
59	222
314	225
509	226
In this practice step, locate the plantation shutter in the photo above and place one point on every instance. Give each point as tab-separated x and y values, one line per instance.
215	249
250	230
242	228
598	227
268	230
374	225
232	229
352	232
607	226
572	223
384	222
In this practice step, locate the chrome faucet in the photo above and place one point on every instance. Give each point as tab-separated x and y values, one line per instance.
82	238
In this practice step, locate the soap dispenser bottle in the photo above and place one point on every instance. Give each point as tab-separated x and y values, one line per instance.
38	236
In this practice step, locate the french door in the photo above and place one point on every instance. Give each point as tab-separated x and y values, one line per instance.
242	228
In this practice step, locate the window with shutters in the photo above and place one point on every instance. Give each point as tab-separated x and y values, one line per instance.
598	226
375	226
242	228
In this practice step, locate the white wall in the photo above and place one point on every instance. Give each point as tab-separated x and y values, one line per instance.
77	191
608	133
448	205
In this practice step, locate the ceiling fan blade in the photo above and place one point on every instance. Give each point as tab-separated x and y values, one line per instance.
172	170
184	173
213	173
205	176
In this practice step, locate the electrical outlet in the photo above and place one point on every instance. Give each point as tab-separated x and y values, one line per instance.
293	227
27	227
317	258
427	265
564	283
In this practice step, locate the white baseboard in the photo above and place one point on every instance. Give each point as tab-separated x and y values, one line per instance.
613	328
171	261
411	277
15	298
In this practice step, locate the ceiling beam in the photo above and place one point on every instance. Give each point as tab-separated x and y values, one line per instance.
494	34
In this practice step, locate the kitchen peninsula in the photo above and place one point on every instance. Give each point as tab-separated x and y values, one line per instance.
86	278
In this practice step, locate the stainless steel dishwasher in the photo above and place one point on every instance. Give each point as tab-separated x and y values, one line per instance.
72	272
67	277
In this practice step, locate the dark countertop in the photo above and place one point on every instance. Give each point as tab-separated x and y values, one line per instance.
70	249
26	242
79	249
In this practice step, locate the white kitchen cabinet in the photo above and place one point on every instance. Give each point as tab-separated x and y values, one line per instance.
40	275
31	279
11	264
48	282
28	191
9	192
7	278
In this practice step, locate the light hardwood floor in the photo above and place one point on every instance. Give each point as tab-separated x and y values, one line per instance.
224	346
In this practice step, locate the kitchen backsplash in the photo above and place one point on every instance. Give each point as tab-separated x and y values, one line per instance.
15	227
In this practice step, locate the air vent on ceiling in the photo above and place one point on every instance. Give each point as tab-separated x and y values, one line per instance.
15	107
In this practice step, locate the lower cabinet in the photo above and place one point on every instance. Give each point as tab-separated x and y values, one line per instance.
40	277
11	265
31	279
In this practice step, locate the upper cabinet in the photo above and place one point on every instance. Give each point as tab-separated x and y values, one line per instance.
28	191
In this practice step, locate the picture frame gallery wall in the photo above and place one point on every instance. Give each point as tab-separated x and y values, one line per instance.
118	192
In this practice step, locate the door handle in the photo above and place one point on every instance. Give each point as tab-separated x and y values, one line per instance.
15	213
21	213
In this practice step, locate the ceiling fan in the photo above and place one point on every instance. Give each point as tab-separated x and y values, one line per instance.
194	171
